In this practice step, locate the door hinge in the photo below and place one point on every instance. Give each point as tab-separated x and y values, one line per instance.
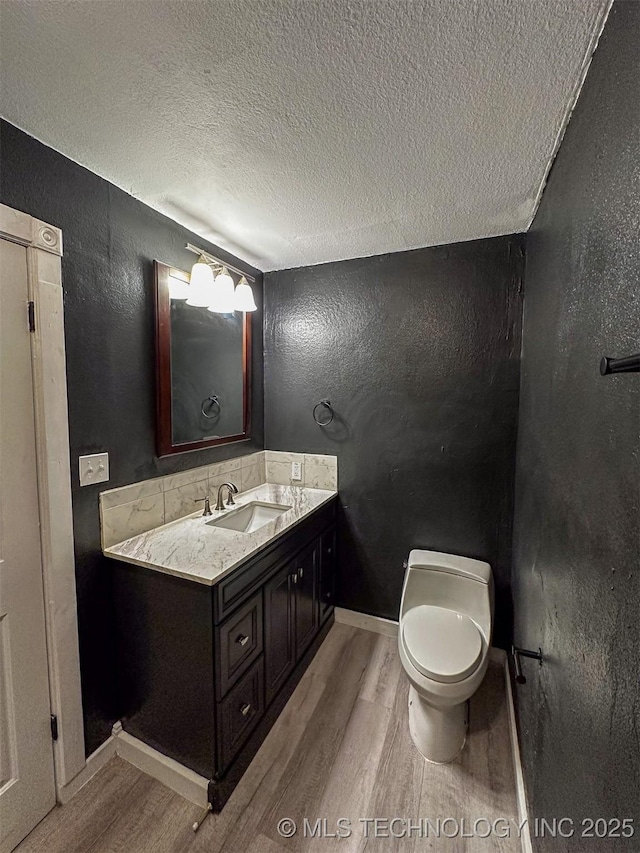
54	727
31	309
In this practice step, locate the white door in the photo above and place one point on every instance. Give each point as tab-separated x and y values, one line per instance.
27	790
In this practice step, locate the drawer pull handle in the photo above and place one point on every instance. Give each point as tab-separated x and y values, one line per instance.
244	709
294	577
242	640
300	572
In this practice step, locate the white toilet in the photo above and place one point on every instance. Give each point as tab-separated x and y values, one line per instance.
446	616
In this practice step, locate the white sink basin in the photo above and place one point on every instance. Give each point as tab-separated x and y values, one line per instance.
250	517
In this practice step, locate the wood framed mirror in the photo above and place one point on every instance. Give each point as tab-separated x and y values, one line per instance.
203	365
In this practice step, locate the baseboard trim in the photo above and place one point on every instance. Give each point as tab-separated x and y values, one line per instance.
96	761
180	779
521	795
388	627
171	773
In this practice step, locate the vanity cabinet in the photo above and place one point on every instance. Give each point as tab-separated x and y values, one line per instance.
306	596
291	615
279	636
239	713
239	641
205	670
327	583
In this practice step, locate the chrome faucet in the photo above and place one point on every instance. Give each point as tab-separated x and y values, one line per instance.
233	490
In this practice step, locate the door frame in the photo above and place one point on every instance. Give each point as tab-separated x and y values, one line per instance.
44	271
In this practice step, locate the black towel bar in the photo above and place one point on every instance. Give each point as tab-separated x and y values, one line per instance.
629	364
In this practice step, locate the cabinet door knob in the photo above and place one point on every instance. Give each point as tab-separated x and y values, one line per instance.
328	550
300	572
242	640
244	709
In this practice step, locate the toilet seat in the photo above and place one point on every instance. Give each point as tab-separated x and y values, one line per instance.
442	644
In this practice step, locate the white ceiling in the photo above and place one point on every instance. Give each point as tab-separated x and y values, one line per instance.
293	132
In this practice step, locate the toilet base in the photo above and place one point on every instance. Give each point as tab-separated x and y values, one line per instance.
439	734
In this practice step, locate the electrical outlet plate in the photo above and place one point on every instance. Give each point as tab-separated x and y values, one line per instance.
296	471
94	469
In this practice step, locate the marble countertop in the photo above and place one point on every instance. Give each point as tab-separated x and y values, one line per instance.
192	549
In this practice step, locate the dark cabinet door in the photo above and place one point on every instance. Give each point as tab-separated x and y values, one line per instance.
327	572
279	614
306	597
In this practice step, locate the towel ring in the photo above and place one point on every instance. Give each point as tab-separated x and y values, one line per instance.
214	400
325	404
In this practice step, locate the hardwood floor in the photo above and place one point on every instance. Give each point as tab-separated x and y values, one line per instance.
340	749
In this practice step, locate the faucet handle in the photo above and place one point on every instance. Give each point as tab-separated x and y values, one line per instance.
233	490
207	505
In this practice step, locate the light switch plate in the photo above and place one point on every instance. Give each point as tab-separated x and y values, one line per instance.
94	469
296	470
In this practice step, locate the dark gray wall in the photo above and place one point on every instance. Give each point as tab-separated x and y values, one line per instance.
419	354
110	241
576	572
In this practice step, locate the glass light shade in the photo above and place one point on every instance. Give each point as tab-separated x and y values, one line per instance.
221	298
178	289
243	297
201	285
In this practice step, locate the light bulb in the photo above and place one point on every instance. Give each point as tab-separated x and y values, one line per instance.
201	284
243	297
221	298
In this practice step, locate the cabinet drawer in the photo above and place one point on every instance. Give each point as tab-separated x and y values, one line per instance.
239	713
239	643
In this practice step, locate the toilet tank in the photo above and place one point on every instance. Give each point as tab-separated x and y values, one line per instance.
450	581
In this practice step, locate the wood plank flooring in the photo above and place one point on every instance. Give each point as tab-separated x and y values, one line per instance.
340	749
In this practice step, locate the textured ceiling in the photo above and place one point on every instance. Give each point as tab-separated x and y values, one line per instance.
293	132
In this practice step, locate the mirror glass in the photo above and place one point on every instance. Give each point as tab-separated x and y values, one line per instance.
203	393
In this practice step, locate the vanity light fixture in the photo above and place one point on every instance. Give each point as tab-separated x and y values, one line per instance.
222	301
201	285
243	297
222	297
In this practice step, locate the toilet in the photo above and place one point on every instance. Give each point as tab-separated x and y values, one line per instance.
444	635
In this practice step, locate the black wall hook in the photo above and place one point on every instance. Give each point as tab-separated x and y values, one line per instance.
629	364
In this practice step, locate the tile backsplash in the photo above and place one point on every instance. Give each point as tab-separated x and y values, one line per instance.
318	472
130	510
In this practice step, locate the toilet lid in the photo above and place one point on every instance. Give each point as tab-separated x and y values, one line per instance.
442	644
